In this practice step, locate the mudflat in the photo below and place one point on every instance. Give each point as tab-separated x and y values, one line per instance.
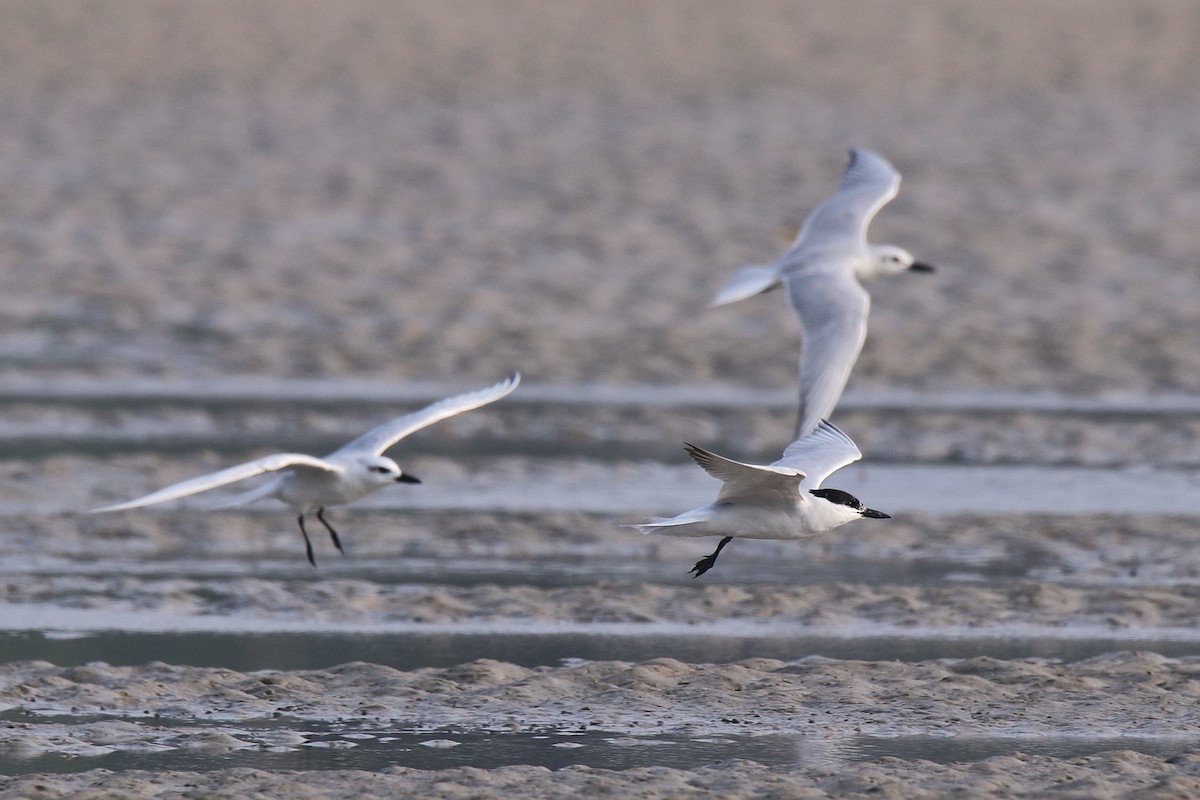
399	193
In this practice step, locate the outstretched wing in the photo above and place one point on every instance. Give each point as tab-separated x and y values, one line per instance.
742	482
380	438
212	480
867	185
832	308
821	453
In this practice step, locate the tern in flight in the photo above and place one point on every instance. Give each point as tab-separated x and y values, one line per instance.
309	484
783	500
823	272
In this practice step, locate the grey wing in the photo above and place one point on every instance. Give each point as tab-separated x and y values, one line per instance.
820	454
212	480
832	308
743	482
841	221
380	438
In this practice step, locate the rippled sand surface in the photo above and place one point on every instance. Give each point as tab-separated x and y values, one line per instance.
251	199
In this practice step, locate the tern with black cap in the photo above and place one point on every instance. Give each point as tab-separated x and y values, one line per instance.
783	500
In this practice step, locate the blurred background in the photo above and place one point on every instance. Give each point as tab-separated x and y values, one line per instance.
430	191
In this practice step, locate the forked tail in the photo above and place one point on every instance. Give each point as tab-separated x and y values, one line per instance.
665	524
651	524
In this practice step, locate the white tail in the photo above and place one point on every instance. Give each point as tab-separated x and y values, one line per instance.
747	282
663	524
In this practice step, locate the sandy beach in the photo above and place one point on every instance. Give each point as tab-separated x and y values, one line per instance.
231	228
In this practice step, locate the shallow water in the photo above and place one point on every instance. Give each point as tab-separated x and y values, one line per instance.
399	749
957	749
988	452
932	489
122	610
655	488
545	485
288	744
537	571
438	646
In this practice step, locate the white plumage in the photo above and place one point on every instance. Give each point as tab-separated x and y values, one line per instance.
822	271
309	484
783	500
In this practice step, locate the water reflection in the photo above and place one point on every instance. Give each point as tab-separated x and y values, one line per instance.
327	747
317	746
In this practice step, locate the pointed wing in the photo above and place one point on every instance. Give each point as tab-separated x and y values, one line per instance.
832	307
820	454
743	482
222	477
379	439
867	185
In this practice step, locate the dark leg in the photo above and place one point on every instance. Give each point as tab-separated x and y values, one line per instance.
706	563
307	543
332	533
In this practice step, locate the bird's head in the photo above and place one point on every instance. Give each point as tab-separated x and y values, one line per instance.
851	504
382	470
887	259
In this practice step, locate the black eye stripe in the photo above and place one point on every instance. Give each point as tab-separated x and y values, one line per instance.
839	497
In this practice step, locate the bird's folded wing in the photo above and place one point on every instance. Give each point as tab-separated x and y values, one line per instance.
212	480
820	454
747	481
380	438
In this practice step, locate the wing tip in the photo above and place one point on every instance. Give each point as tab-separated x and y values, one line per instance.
828	426
506	386
837	435
858	154
705	459
129	505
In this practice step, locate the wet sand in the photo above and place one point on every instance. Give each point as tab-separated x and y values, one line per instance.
824	703
1094	776
416	194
